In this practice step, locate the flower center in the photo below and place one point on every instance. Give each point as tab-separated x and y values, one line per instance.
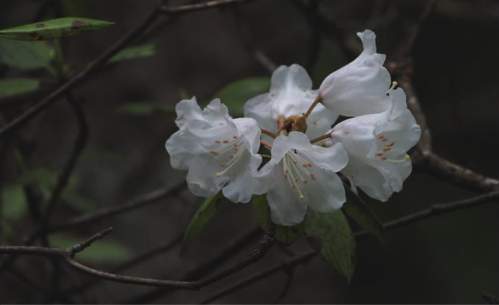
227	152
296	171
292	123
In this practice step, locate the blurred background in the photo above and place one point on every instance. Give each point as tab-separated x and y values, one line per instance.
128	104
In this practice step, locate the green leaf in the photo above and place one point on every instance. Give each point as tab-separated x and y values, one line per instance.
261	210
337	240
54	28
13	202
17	86
288	235
101	251
26	55
134	52
202	217
235	94
360	213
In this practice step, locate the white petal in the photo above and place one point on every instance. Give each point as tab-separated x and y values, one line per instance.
290	94
201	179
378	145
285	207
304	175
360	87
218	151
320	121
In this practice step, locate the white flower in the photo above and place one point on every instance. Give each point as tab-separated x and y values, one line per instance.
377	145
290	95
358	88
302	175
218	151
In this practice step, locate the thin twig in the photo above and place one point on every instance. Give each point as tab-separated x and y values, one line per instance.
159	249
204	268
139	202
69	166
67	256
436	209
301	258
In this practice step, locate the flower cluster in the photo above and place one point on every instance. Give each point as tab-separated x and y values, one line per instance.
308	153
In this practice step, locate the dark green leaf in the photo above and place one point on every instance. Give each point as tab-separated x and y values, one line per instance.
261	210
235	94
202	217
134	52
49	29
337	240
360	213
288	235
26	55
17	86
13	202
101	251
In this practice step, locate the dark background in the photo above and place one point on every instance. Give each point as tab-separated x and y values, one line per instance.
451	258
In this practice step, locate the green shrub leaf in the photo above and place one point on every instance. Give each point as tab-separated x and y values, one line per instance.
134	52
235	94
13	202
54	28
202	217
26	55
17	86
337	240
357	210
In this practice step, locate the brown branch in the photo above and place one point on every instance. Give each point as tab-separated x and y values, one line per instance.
265	244
204	268
435	164
67	256
69	166
139	202
159	249
434	210
299	259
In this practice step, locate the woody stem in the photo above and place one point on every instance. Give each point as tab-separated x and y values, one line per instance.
320	138
268	132
313	105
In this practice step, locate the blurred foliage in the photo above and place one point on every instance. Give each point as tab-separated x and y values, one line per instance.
26	55
17	86
13	202
235	94
135	52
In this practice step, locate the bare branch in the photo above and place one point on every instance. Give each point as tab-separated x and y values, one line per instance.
301	258
139	202
67	255
79	145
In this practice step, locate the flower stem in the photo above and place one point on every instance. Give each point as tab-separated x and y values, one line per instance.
268	132
320	138
317	100
266	144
